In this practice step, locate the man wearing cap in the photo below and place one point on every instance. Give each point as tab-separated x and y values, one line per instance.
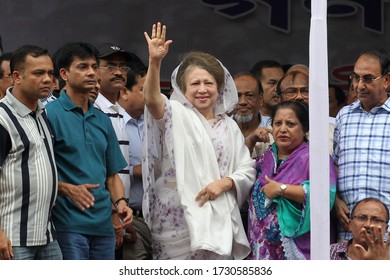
113	74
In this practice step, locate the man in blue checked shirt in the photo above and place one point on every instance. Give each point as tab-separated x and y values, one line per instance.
362	138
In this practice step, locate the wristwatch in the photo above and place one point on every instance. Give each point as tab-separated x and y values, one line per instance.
283	187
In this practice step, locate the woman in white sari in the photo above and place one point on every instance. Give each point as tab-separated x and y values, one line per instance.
197	170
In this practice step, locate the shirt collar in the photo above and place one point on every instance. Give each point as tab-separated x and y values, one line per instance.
357	105
105	104
127	118
21	109
68	104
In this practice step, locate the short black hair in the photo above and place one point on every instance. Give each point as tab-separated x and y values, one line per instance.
65	55
18	58
368	199
4	57
260	65
339	94
136	64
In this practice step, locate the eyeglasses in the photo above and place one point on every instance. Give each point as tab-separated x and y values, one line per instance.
249	96
367	79
364	219
292	92
113	68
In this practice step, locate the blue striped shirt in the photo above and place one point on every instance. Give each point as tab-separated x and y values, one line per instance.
362	153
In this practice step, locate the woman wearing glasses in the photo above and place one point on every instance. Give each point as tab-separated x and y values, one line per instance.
279	207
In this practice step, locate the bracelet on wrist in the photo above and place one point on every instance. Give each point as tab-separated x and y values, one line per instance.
119	200
231	180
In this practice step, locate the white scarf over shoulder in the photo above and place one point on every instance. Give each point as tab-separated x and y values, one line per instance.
217	225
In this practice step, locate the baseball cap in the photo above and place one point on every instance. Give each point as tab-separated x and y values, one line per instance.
107	49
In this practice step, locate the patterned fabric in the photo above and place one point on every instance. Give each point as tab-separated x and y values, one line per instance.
338	251
48	99
135	130
115	112
183	152
268	240
28	175
362	152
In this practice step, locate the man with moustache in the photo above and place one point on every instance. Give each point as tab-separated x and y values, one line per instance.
247	115
362	138
113	68
28	174
250	121
368	224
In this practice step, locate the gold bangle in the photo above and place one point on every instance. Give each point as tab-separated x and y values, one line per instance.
231	180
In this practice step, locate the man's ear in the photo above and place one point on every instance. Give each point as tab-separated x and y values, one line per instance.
386	83
64	74
123	94
349	225
261	99
16	76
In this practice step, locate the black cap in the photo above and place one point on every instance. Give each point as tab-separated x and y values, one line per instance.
107	49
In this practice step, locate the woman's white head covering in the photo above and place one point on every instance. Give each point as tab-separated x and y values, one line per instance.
227	96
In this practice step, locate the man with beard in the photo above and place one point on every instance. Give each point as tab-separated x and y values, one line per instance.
113	75
247	114
249	120
368	224
268	72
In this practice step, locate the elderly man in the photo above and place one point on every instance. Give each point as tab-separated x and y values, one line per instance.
368	223
247	115
362	138
250	121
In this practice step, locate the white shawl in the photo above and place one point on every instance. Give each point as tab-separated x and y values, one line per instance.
216	226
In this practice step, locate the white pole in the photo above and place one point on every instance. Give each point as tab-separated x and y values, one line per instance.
319	132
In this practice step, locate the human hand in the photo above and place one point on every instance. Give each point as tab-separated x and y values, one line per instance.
377	248
130	234
260	134
118	228
272	188
125	213
342	212
213	190
80	195
157	44
6	252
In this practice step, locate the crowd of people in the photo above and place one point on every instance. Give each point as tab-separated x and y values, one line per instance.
96	163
